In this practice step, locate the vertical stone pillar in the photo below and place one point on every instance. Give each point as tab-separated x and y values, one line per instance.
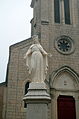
37	100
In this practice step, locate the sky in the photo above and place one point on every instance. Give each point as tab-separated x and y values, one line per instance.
15	16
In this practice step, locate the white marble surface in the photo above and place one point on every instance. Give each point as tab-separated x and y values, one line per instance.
36	61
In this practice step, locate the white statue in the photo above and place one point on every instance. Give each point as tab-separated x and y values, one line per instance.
36	61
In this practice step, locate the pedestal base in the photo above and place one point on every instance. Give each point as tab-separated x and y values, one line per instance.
37	100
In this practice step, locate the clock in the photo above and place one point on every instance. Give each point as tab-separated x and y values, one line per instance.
64	44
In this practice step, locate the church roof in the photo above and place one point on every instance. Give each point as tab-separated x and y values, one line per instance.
21	43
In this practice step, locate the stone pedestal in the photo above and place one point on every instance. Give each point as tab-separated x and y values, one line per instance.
37	100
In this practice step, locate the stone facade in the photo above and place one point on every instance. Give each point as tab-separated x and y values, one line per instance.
63	74
17	79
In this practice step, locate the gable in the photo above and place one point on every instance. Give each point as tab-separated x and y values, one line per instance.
65	79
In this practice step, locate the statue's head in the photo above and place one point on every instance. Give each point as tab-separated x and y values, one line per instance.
35	39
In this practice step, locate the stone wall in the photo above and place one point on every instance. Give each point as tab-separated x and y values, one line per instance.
17	78
2	88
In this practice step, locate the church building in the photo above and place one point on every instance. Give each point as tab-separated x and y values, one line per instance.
56	22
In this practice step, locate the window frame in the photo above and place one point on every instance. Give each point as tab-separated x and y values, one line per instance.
26	91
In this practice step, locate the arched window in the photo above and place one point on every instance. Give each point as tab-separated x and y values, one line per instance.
62	11
26	91
26	87
67	11
57	11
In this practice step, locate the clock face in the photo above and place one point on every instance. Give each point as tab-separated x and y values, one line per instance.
64	44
